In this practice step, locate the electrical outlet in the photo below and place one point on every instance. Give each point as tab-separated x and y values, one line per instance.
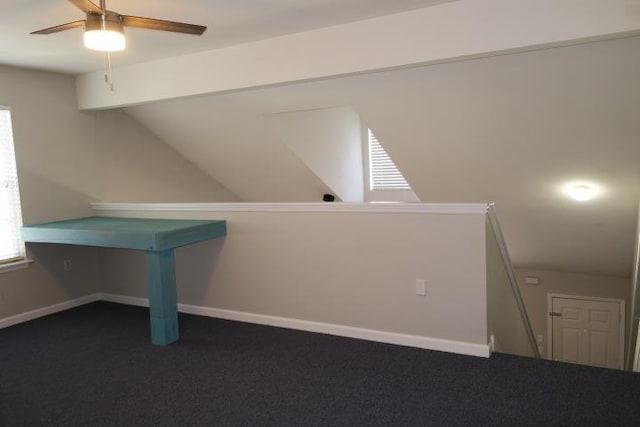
66	265
540	338
421	287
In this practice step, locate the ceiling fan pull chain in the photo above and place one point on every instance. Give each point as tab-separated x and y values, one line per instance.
107	71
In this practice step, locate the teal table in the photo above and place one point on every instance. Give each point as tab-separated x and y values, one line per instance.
157	237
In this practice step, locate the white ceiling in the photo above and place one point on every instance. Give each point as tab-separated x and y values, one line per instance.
508	129
229	22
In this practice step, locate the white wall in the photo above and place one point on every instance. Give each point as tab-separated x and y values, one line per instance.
352	269
557	282
329	142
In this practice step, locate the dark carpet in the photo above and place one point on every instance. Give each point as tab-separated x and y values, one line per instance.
94	366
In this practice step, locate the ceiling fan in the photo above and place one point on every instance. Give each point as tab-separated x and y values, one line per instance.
104	29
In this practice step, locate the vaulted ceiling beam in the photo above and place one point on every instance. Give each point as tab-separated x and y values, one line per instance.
452	31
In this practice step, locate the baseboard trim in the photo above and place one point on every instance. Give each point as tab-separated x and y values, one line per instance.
428	343
45	311
343	331
123	299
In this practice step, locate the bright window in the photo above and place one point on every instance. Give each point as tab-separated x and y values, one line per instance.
383	173
385	181
11	245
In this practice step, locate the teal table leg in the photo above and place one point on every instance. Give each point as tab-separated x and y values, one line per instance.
163	299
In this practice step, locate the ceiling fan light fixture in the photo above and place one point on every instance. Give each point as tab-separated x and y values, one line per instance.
104	33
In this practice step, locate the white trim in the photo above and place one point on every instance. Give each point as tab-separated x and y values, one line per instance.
506	261
45	311
123	299
636	357
343	331
428	343
623	319
15	265
430	208
381	196
634	309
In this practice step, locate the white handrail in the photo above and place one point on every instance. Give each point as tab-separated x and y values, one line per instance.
495	226
636	359
634	330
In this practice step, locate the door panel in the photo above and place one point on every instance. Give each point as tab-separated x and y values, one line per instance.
598	316
570	345
598	349
569	313
586	332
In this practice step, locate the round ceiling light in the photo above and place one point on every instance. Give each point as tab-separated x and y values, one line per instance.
581	191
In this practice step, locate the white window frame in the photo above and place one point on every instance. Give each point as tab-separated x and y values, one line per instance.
9	183
387	195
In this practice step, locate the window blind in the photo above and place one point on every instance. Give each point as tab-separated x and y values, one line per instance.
11	245
384	175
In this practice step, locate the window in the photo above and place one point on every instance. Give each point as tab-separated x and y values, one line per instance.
11	245
385	181
383	173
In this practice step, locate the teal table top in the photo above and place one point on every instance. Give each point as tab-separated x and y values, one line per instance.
127	233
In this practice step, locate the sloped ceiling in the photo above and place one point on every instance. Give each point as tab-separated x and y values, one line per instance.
228	138
509	129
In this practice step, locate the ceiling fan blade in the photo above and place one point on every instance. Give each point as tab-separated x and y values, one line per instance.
159	24
86	6
62	27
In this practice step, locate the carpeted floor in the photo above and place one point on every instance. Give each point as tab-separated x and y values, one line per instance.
94	366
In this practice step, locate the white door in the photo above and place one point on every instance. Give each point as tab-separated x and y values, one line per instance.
587	332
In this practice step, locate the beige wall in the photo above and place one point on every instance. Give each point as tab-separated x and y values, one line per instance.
134	165
66	159
350	269
56	158
556	282
54	144
450	130
45	283
504	320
